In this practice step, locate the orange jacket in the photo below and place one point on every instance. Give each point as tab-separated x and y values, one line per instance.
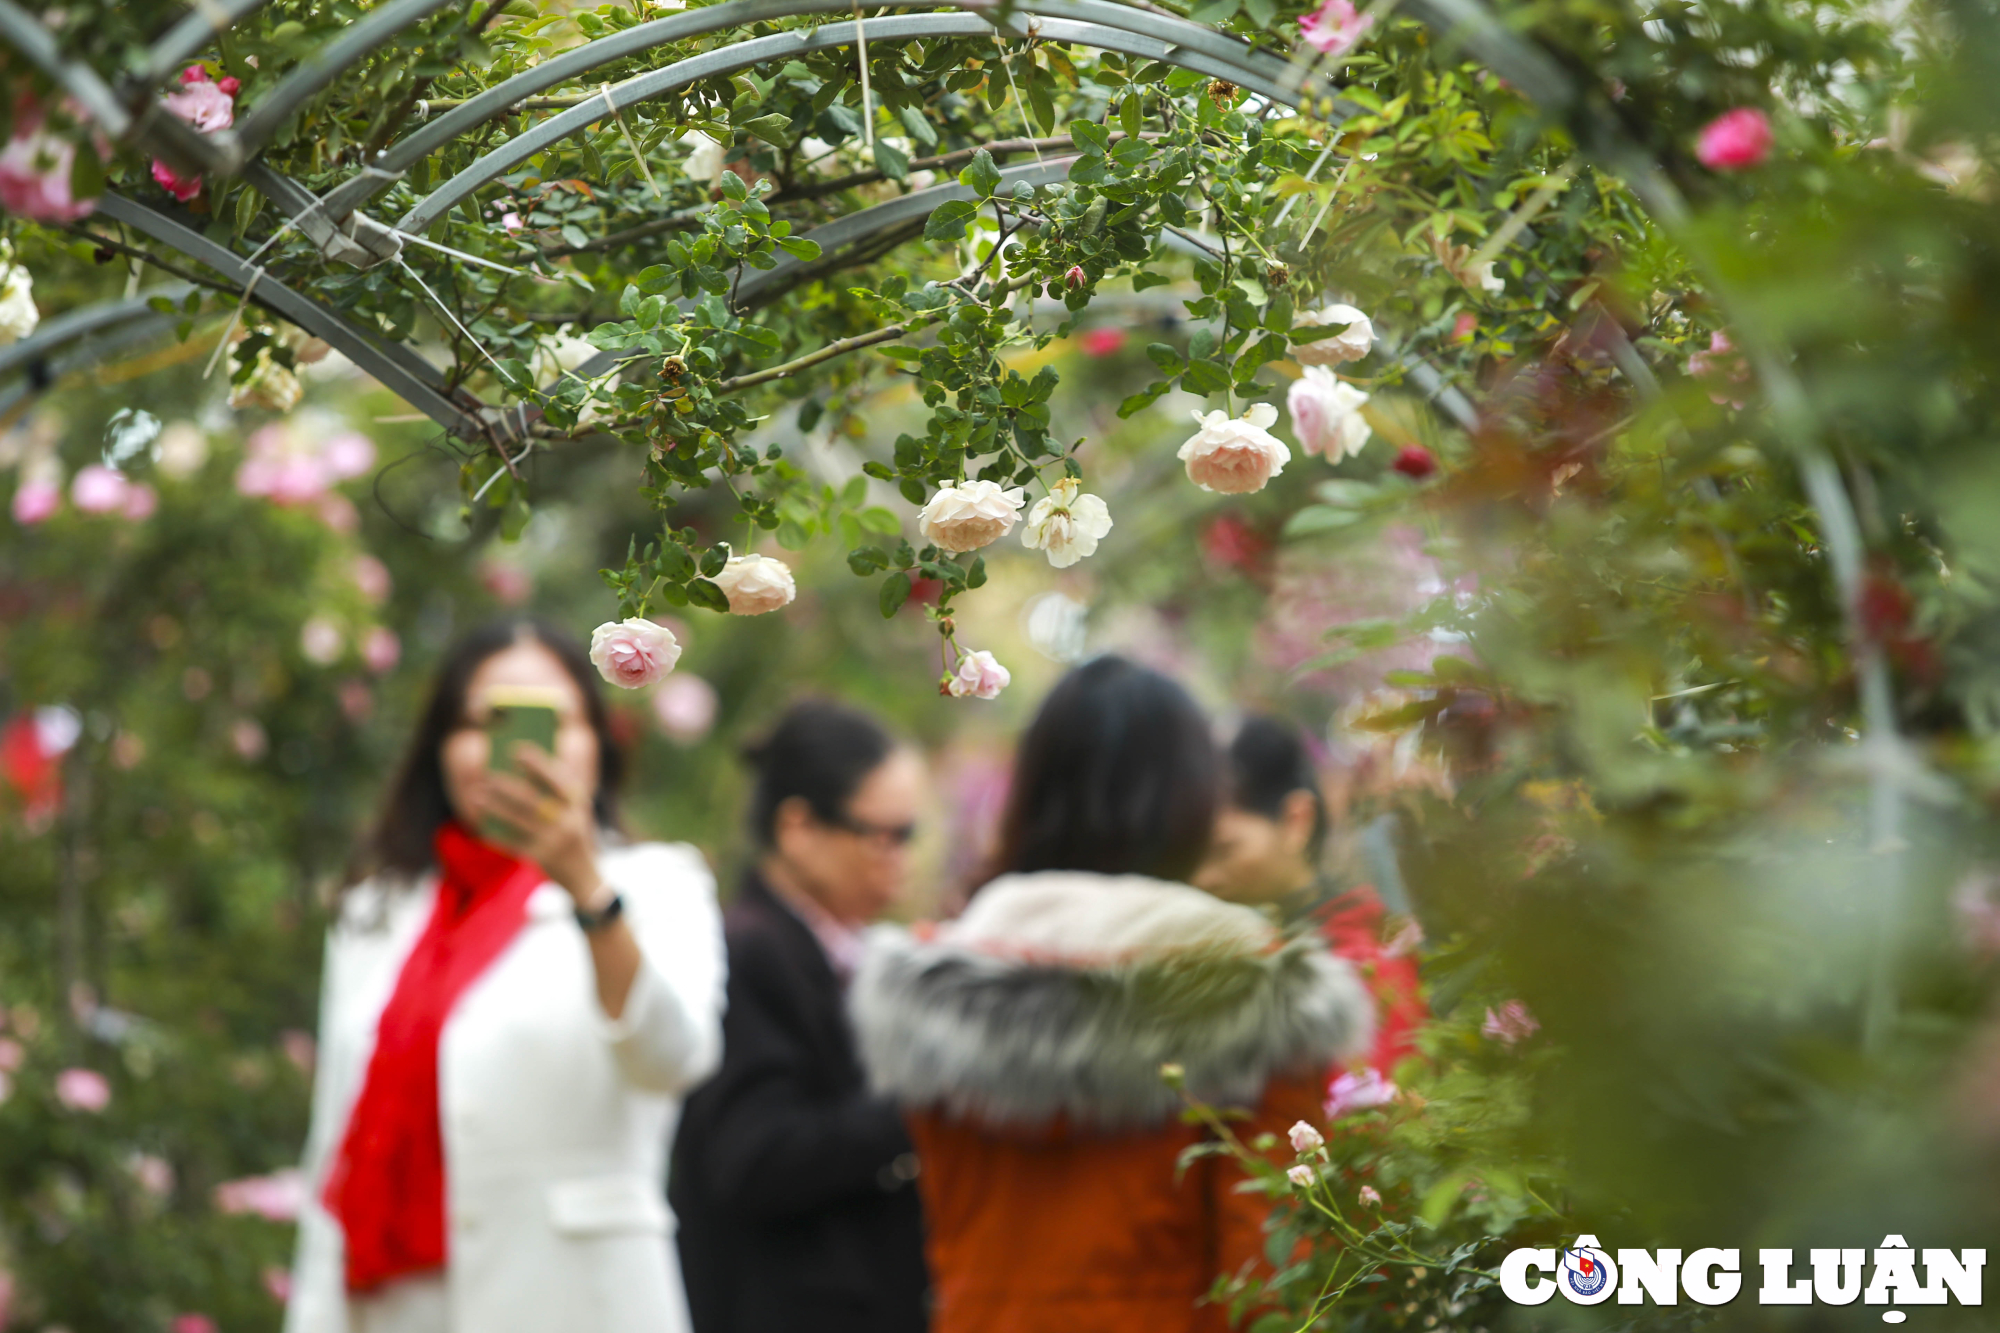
1025	1040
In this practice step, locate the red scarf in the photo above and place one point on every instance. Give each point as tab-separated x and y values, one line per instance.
387	1181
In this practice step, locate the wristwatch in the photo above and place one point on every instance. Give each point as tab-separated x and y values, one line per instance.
595	920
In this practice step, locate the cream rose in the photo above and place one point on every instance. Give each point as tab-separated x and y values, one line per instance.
979	676
18	315
1066	524
1235	455
1326	414
1351	344
970	515
633	653
755	584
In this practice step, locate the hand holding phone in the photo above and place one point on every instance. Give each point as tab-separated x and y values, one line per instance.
516	714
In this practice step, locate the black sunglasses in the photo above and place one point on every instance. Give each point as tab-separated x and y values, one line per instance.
898	834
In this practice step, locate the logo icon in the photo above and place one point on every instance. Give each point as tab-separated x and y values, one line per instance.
1586	1273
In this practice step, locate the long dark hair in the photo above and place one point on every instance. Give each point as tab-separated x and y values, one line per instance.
1117	774
417	804
819	752
1267	763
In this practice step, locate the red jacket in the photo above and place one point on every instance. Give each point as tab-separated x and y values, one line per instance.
1026	1040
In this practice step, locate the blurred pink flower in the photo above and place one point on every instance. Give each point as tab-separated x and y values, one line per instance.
1415	462
140	502
979	676
154	1174
357	701
372	577
6	1091
1302	1175
1305	1138
337	512
201	104
192	1323
83	1090
1720	365
36	501
246	737
12	1053
685	707
507	581
1076	277
381	649
6	1296
321	640
511	221
180	187
1357	1091
35	169
299	1048
1735	140
278	1282
1369	1197
276	1197
1102	341
348	454
1464	326
98	489
1510	1024
1335	28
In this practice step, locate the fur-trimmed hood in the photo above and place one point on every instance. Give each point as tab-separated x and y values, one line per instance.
1059	995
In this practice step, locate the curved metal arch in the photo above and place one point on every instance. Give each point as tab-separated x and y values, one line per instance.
399	369
81	323
788	45
325	65
91	351
575	63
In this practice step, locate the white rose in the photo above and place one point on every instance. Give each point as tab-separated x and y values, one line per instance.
704	164
1488	280
979	676
1235	455
755	584
270	385
1066	524
1326	414
18	316
970	515
1350	344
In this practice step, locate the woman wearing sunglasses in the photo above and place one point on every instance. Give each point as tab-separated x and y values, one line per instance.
792	1183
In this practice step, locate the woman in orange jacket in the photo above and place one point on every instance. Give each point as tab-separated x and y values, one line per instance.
1026	1038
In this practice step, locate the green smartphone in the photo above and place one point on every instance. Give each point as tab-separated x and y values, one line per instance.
516	714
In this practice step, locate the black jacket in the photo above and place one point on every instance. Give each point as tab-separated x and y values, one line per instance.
792	1184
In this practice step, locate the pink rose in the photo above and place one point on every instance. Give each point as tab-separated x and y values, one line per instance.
1357	1091
381	649
278	1282
192	1323
1335	28
356	700
1102	341
1735	140
297	479
180	187
247	738
36	501
203	105
1720	364
755	584
1076	277
140	502
12	1053
979	676
1306	1139
1511	1024
348	454
1356	337
1326	414
276	1197
371	576
83	1090
154	1174
511	221
506	581
98	489
1305	1177
35	168
300	1048
632	654
1369	1197
970	515
1235	455
685	706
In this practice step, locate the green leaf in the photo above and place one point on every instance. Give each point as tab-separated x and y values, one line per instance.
1166	358
1132	115
895	591
733	186
893	161
1206	378
1319	518
919	125
771	129
875	518
798	247
1213	11
981	175
705	594
792	536
949	220
1091	137
866	560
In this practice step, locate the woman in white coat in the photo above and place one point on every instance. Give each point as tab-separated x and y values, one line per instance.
506	1029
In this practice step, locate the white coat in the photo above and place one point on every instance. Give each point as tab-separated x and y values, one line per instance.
555	1118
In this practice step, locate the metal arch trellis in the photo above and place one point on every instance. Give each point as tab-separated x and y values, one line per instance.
1097	23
